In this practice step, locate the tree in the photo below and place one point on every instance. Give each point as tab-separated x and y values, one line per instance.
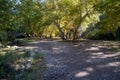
69	15
6	19
53	8
110	13
84	10
30	12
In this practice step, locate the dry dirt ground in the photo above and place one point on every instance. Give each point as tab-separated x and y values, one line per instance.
83	60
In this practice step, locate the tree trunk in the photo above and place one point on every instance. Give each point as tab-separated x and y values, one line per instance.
75	33
76	29
62	33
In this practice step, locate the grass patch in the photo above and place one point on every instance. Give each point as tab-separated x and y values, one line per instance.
24	40
20	64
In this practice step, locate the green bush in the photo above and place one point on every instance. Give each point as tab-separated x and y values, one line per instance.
93	34
3	38
98	34
19	65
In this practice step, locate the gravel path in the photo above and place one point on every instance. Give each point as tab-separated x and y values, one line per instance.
85	60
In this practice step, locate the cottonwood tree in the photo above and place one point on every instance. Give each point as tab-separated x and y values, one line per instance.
30	12
69	15
110	13
6	19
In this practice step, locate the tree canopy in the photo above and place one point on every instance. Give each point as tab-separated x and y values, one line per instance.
67	19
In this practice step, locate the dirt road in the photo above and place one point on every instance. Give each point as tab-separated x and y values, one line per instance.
85	60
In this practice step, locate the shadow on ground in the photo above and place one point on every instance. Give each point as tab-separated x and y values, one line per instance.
85	60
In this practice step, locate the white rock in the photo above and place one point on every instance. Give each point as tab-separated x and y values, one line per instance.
8	47
30	59
28	65
22	67
15	47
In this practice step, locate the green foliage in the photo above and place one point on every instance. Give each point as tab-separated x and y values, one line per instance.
3	38
21	17
31	16
93	34
7	20
110	9
99	34
108	20
14	64
70	17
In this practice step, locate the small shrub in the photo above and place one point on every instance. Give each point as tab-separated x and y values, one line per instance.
19	64
3	38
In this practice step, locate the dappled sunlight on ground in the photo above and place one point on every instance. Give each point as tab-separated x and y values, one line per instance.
98	53
103	55
109	55
111	64
57	50
82	74
85	60
31	47
92	48
87	71
90	69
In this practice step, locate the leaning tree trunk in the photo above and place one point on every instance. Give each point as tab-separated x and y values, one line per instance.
76	29
62	34
75	33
